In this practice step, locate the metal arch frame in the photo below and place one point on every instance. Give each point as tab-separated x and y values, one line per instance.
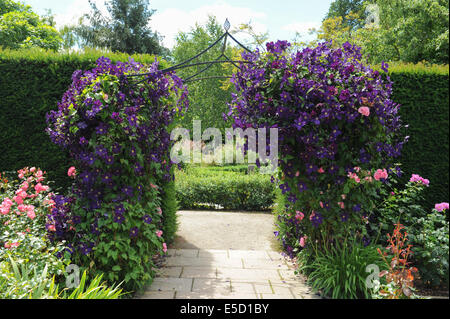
209	64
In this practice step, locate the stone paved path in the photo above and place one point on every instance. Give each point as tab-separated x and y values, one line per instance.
200	269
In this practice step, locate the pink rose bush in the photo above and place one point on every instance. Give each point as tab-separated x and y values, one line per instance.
24	206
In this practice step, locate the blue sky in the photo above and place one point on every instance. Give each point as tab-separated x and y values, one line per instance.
280	18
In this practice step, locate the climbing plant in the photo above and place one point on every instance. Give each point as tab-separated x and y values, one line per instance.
119	137
339	135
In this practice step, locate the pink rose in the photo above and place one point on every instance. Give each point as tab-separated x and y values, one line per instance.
164	247
72	172
22	208
51	228
341	205
159	211
32	169
299	215
364	110
24	186
18	200
321	170
297	174
303	241
31	214
159	233
39	188
380	174
20	192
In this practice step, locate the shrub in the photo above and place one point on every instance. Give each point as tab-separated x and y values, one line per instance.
428	233
431	249
24	205
210	187
31	83
169	206
117	132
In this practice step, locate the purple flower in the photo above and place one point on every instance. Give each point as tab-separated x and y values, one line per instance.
128	191
134	232
284	188
102	129
302	187
101	151
147	219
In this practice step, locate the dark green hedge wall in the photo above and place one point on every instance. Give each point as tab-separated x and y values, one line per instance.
423	93
31	84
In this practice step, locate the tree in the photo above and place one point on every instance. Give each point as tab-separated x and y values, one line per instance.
125	29
20	27
208	100
400	30
344	9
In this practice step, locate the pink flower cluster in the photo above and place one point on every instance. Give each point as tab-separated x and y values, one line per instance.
415	178
29	176
72	172
378	175
381	174
441	207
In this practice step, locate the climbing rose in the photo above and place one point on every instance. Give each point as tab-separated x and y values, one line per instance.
303	241
364	110
72	172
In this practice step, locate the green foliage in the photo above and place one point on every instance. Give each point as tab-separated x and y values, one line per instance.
428	232
169	206
343	8
400	30
340	270
205	187
431	249
31	83
423	94
125	29
20	27
20	281
207	100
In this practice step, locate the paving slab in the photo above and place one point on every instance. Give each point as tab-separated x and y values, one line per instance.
226	255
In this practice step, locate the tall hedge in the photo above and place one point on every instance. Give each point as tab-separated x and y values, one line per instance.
423	93
31	84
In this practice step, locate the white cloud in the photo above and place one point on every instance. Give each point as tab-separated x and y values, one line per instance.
171	21
76	10
302	27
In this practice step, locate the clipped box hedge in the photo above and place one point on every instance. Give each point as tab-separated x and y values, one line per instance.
212	188
31	84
